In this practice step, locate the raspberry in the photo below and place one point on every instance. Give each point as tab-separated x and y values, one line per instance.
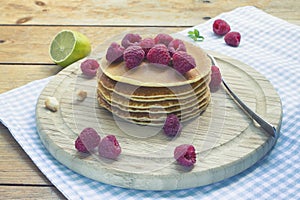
163	38
159	54
131	39
114	53
220	27
109	147
89	67
172	125
147	44
176	45
216	79
183	62
87	140
185	155
233	39
133	56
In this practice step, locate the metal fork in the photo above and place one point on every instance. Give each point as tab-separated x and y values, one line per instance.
269	128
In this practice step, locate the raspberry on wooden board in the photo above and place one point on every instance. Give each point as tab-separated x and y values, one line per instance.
109	147
89	67
87	140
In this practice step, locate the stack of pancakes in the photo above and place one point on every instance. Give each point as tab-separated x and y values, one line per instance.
146	94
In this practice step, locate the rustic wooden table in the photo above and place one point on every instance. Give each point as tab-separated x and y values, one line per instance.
27	27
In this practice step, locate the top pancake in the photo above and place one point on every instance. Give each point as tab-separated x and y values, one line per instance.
155	75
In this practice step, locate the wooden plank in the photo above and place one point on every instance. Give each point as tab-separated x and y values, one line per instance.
14	76
15	166
29	192
126	12
30	44
286	10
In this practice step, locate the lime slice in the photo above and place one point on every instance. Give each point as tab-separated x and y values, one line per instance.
69	46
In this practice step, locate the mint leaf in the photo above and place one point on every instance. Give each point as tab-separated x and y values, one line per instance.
195	35
196	32
191	32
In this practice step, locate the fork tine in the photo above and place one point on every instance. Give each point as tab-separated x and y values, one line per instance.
269	128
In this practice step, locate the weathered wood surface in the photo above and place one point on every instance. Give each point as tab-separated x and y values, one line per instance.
30	192
17	75
26	28
147	160
13	161
17	40
19	177
131	12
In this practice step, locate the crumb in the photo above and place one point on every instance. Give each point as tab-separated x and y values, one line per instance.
81	95
51	103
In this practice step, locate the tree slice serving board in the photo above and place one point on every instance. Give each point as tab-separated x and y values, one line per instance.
226	140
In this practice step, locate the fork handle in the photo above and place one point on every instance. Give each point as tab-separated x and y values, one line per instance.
270	129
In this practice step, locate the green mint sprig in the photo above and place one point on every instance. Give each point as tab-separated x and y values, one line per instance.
195	35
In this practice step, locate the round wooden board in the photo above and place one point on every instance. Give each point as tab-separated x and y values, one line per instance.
226	140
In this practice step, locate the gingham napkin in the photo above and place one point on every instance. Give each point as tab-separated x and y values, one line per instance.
269	45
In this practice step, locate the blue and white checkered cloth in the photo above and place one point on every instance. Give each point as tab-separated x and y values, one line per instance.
268	44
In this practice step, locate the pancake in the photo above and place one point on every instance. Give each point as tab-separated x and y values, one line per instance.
148	118
146	94
169	105
159	94
155	75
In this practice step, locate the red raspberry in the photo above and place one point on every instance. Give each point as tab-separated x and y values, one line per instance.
185	155
233	39
89	67
87	140
159	54
176	45
131	39
183	62
109	147
114	53
216	79
172	125
133	56
220	27
147	44
163	38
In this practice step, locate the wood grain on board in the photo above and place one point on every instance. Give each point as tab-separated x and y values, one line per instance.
27	27
227	141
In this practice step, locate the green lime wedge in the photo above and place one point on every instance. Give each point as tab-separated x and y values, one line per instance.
69	46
